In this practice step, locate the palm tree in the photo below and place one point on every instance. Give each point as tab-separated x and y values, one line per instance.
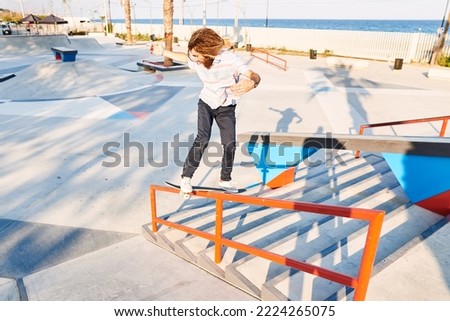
67	3
127	7
440	41
168	29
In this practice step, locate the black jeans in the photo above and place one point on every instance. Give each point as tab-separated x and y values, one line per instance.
226	121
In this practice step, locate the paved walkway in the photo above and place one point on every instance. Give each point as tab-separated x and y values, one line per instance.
81	143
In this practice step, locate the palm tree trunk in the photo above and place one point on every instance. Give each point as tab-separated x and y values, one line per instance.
128	21
168	29
440	42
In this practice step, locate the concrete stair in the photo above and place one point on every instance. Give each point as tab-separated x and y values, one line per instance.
327	241
344	256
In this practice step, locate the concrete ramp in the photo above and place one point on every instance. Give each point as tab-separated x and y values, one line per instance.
32	45
58	80
84	43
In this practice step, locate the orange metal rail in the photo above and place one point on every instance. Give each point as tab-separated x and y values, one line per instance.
359	284
405	122
282	63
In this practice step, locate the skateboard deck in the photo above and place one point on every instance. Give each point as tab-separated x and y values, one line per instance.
204	188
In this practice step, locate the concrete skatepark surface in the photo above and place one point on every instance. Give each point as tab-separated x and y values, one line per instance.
71	213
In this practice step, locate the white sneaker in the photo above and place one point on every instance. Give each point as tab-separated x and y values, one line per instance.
228	186
185	185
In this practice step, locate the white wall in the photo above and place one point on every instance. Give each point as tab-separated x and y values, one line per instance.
412	47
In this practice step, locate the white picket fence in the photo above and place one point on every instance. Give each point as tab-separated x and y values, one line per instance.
386	46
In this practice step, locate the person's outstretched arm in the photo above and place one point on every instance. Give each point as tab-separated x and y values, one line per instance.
175	55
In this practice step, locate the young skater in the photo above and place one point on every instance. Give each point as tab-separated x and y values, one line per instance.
225	78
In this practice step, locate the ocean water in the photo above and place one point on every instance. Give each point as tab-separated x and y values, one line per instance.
426	26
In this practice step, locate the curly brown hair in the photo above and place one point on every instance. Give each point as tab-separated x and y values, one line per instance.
207	43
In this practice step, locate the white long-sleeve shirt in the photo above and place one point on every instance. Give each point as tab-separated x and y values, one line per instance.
224	72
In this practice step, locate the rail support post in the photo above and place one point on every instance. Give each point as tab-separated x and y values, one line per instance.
218	238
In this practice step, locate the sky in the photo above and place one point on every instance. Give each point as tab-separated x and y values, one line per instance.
288	9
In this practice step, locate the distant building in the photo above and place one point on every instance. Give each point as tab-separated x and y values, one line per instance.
79	24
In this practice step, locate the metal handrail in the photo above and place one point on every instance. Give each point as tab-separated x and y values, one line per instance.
359	284
283	64
405	122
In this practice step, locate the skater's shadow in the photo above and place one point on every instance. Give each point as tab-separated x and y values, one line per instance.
287	117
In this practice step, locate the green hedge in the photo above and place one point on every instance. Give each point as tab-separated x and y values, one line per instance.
444	61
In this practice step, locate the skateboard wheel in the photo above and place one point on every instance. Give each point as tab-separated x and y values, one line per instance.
185	195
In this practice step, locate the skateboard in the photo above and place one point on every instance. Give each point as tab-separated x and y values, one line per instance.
204	188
